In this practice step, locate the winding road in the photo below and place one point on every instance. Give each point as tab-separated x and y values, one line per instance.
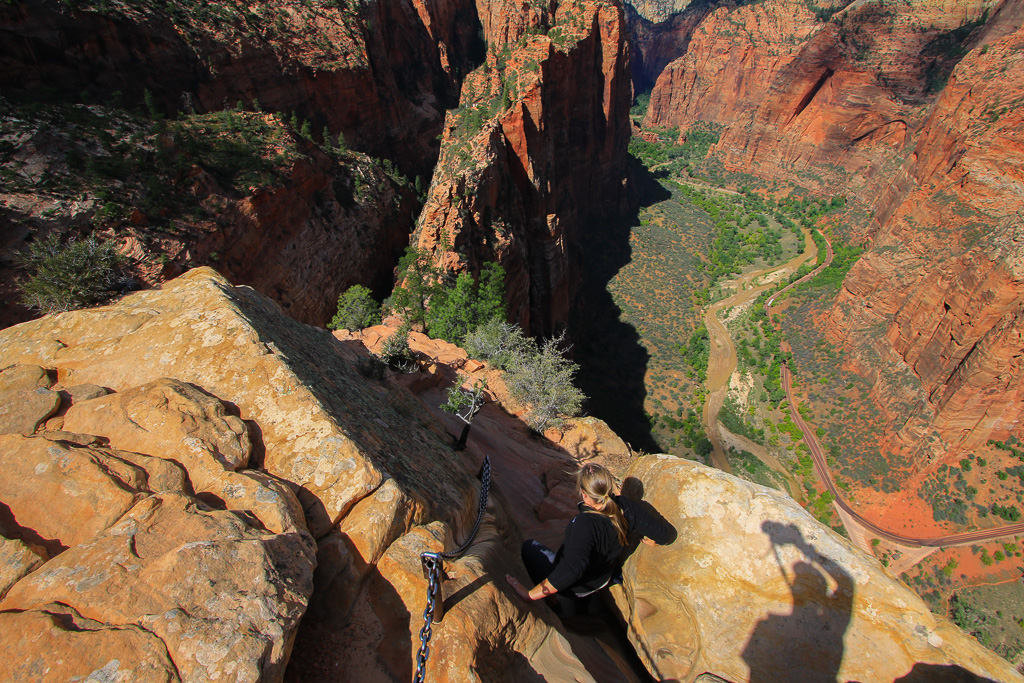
821	465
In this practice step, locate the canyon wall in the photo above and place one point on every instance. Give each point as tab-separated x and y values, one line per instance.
301	238
535	150
828	104
943	276
907	109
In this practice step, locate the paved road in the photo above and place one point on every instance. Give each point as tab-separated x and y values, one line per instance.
821	465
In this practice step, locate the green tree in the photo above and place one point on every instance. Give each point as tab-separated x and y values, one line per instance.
415	276
451	312
356	310
543	379
490	300
455	313
64	277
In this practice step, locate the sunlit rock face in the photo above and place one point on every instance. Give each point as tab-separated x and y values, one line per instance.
754	589
159	508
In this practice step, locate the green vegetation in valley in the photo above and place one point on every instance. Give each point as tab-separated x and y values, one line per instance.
670	153
992	614
749	467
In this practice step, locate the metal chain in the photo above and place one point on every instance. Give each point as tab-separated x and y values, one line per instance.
433	568
485	487
431	564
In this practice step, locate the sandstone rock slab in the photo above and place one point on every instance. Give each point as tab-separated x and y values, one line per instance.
17	559
322	429
23	410
59	494
224	598
23	377
754	589
55	643
171	419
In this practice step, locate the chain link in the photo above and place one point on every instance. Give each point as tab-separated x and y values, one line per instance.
433	567
485	488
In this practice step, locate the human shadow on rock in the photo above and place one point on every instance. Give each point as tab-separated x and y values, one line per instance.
940	673
613	362
807	643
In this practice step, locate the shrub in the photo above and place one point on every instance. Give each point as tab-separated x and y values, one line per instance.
395	350
543	380
65	277
498	342
356	310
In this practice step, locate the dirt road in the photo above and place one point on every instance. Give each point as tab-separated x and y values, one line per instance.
722	354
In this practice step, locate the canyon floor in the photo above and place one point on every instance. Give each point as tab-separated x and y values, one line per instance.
673	330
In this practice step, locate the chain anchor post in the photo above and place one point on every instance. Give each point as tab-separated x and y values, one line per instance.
433	572
433	563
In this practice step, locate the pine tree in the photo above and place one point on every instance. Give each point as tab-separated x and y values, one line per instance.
451	312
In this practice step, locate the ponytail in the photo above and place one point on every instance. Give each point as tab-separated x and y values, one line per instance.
597	482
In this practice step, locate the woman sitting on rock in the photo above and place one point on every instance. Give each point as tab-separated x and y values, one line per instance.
595	539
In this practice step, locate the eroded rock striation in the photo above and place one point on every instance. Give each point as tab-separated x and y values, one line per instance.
944	275
754	589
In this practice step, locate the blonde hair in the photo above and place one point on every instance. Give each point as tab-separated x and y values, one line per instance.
599	484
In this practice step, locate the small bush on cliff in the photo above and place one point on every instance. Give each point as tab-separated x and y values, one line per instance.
498	342
356	310
395	350
69	276
543	379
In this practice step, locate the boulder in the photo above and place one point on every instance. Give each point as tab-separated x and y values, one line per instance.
56	643
17	559
17	377
754	589
223	597
171	419
59	494
23	410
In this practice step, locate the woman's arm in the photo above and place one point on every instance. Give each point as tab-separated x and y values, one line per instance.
541	590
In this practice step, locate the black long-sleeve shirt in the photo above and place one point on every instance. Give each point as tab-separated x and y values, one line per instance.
589	556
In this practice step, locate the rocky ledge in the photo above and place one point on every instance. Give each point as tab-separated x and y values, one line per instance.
185	472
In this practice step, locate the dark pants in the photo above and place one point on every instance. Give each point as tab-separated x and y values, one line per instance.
539	561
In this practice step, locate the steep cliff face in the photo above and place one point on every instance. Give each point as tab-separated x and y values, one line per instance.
535	150
829	103
943	277
381	74
332	64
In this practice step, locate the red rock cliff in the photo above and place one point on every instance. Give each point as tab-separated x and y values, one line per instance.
829	104
944	276
535	150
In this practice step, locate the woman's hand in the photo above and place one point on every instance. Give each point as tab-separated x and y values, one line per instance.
519	588
648	541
